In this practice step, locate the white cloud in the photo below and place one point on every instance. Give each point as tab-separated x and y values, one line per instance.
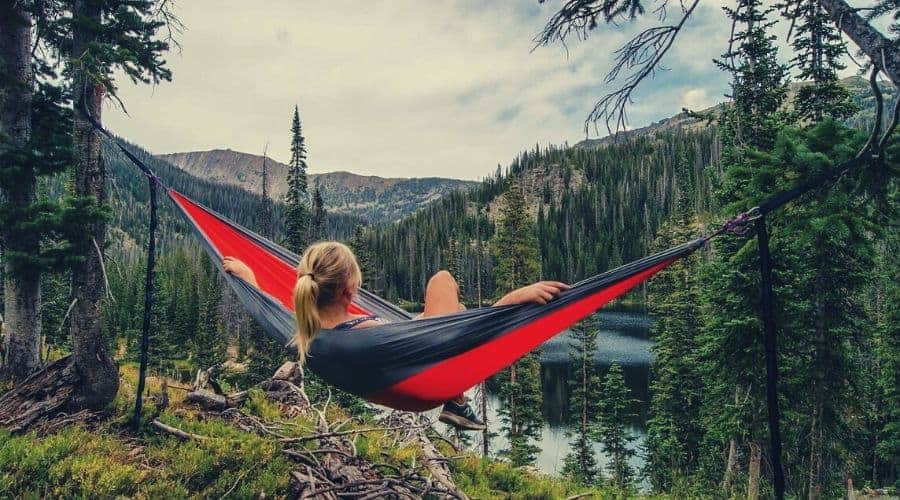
695	99
395	88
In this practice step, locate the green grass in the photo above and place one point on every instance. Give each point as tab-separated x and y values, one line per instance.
113	462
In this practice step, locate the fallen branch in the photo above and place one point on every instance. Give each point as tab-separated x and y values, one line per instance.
343	433
239	479
178	432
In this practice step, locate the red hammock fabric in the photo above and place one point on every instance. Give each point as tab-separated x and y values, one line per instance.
274	276
443	381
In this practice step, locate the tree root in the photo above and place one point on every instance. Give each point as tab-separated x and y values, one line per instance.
41	399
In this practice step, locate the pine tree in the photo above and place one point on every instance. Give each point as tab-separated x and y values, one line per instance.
296	211
516	257
372	277
209	343
673	429
818	52
19	164
584	401
453	258
264	212
517	264
827	258
318	218
759	80
265	355
887	362
733	411
106	36
614	412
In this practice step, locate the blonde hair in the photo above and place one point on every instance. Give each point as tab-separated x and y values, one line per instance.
326	268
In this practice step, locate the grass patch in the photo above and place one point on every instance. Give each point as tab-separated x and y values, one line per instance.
112	462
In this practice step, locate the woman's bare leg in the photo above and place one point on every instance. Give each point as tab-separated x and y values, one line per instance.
442	297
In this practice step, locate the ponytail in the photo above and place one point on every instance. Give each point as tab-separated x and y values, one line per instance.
326	268
306	298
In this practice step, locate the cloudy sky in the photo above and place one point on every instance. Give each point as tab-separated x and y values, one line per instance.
399	88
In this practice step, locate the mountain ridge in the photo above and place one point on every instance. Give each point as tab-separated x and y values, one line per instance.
376	198
694	120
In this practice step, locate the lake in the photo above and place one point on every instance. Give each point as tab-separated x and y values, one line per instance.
624	338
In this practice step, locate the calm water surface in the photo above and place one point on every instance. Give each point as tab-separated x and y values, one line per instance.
623	338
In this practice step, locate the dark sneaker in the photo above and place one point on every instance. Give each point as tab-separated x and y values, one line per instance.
461	416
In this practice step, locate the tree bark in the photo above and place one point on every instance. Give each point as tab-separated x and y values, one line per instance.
730	466
99	374
584	412
513	414
875	45
816	436
753	471
731	463
21	333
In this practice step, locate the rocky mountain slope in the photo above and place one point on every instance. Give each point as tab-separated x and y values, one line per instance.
697	119
376	199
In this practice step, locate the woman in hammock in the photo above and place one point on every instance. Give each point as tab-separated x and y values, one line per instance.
327	280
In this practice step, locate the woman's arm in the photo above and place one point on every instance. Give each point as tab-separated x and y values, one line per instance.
538	293
239	269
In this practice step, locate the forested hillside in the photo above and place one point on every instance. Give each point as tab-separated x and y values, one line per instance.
128	198
595	208
373	198
597	204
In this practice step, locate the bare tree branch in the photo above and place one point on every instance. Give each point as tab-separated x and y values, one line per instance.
579	17
165	13
643	54
879	111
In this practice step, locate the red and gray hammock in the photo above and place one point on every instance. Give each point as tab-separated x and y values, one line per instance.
407	364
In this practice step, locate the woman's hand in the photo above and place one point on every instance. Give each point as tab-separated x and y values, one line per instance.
538	293
239	269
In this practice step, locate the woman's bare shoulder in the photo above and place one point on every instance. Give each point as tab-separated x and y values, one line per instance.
373	321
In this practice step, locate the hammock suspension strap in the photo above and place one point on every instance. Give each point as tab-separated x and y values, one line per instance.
771	349
148	304
153	182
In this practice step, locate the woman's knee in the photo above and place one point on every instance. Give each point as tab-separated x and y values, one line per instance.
442	278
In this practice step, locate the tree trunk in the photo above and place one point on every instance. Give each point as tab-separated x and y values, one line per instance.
730	466
584	412
99	375
875	45
21	333
513	414
753	471
731	463
818	391
815	455
485	436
